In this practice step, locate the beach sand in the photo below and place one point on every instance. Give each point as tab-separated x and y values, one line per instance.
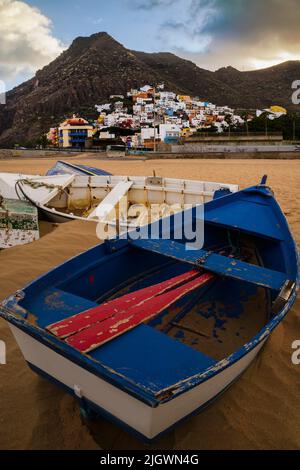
261	411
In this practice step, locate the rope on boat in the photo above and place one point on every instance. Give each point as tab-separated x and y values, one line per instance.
39	184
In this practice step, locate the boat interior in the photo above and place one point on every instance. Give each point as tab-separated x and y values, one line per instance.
135	200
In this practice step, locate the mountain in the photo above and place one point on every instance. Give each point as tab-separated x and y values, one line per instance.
189	78
97	66
265	87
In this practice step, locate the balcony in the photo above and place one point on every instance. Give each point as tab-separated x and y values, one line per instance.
77	140
78	134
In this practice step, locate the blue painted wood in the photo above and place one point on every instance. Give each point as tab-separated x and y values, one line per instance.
218	264
151	359
53	305
221	193
93	171
254	211
68	168
258	219
264	180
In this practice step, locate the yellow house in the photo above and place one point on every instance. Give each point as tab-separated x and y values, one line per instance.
278	109
101	118
74	132
185	132
184	98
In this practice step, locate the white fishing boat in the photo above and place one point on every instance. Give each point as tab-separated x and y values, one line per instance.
130	201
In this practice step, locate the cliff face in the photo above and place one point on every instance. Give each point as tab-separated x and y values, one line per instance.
95	67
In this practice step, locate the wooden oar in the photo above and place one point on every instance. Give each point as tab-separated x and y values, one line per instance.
99	334
83	320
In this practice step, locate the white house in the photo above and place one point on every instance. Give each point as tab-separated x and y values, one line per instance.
147	133
146	88
167	96
110	120
106	135
169	130
103	107
137	109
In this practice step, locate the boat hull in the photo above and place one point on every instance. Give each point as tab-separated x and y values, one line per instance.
136	416
54	217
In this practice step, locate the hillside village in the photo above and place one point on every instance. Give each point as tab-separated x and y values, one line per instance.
148	116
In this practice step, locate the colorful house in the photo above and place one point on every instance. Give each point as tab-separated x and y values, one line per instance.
74	132
184	98
52	136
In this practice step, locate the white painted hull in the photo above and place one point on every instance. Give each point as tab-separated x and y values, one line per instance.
133	413
8	185
56	218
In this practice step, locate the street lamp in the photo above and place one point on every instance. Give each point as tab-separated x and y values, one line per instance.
294	129
154	117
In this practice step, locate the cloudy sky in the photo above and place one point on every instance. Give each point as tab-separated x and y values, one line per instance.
246	34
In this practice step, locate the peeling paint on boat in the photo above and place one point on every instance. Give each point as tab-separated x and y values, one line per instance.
18	223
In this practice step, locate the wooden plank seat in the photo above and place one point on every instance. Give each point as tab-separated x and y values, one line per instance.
87	318
222	265
109	203
98	334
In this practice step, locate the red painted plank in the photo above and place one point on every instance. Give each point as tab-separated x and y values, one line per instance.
86	319
99	334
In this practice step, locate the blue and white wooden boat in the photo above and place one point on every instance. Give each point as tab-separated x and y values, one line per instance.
67	168
160	371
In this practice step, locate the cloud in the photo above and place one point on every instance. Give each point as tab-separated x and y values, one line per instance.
27	42
151	4
97	21
243	33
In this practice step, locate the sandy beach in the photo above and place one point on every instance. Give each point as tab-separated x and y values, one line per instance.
261	411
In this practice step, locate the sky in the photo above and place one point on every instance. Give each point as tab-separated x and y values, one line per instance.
246	34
